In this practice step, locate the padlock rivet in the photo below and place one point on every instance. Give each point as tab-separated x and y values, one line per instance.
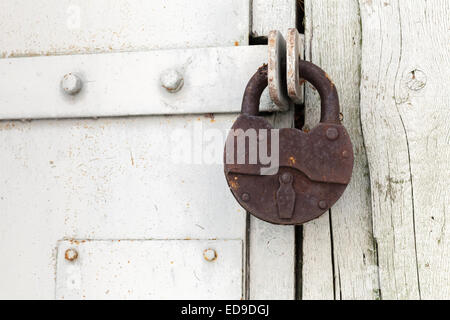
286	177
172	80
245	197
210	255
323	204
71	84
71	254
332	133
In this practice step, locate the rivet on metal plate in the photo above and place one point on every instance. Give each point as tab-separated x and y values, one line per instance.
71	84
71	254
172	80
210	255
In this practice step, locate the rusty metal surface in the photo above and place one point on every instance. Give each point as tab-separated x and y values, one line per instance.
314	167
294	54
277	70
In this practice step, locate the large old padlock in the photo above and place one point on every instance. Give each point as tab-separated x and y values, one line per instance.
288	176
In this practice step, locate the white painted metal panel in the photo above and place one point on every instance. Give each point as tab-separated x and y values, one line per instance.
129	83
119	177
106	179
150	269
49	27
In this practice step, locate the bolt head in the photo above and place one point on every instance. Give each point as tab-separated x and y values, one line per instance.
71	254
332	133
286	177
245	197
323	204
172	80
210	254
71	84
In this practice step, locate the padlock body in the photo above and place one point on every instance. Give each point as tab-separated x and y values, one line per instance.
319	162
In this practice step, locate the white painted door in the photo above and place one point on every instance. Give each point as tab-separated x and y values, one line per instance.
96	198
93	176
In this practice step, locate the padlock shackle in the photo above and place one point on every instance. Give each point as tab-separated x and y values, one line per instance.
316	76
253	91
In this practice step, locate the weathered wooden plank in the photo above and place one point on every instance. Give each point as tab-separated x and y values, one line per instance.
271	247
405	108
270	15
272	261
150	269
317	260
122	84
347	256
49	27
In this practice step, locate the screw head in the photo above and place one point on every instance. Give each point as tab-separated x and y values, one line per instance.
172	80
71	254
71	84
332	133
286	177
245	197
210	254
323	204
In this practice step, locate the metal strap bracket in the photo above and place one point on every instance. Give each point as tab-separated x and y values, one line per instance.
285	86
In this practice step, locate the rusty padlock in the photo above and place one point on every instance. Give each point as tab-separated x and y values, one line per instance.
313	168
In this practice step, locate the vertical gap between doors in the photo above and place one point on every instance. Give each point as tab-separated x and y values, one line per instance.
299	122
246	271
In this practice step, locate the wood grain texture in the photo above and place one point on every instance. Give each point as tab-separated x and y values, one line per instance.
272	247
272	261
317	260
339	247
405	119
270	15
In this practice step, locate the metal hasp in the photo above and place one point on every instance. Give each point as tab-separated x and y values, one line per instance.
314	167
